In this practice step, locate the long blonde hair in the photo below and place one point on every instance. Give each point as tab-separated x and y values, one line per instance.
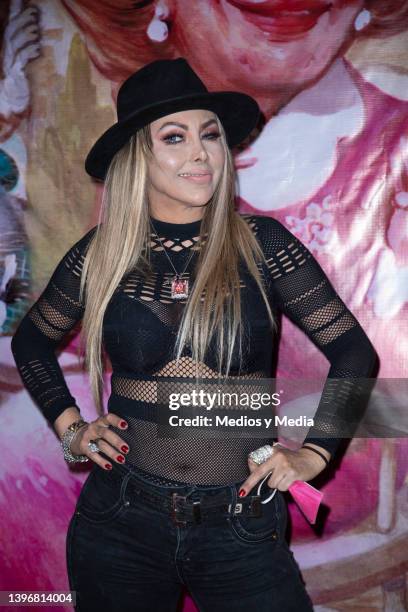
122	242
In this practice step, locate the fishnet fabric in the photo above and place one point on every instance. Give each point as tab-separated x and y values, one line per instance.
140	326
300	288
48	321
196	460
154	391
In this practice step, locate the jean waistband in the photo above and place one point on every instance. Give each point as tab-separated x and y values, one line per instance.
191	503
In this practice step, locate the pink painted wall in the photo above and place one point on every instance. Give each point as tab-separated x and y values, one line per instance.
331	164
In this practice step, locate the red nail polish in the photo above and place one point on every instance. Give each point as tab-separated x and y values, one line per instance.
108	466
124	449
120	458
123	424
241	492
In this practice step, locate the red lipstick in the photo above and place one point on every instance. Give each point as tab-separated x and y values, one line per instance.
280	20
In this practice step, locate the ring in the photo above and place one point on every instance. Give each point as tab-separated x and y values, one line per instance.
260	455
93	447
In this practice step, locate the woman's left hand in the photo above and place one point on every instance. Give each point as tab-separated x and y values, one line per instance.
287	466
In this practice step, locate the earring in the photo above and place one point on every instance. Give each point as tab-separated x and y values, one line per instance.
362	20
157	29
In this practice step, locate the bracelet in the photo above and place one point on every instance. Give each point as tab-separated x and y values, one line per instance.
66	439
318	453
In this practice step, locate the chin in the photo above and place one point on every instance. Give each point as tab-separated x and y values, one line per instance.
199	202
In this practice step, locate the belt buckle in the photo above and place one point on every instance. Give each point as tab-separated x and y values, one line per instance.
175	509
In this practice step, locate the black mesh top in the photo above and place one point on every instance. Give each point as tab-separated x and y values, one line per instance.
139	331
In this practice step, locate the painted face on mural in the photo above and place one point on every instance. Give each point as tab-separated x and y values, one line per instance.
258	46
274	43
184	143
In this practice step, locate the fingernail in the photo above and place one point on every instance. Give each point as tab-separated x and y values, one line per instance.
120	458
123	424
241	492
108	466
124	449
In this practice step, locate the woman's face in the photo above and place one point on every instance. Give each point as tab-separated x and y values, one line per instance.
260	45
184	143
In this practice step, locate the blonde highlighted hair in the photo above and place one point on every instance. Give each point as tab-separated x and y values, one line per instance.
121	243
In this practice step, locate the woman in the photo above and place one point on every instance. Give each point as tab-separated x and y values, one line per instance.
181	288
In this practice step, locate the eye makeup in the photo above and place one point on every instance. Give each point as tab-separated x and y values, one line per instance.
167	139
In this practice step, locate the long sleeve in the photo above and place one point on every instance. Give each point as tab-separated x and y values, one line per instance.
50	318
302	291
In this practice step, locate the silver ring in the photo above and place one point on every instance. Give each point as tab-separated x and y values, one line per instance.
260	455
93	447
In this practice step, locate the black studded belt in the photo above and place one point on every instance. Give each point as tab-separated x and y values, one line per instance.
192	508
184	509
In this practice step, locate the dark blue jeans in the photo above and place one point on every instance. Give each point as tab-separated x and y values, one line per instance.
127	555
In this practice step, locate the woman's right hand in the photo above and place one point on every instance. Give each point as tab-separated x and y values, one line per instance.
108	441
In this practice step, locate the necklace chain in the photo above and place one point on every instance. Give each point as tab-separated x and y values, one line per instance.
179	287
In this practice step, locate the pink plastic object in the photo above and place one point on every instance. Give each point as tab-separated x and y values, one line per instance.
307	498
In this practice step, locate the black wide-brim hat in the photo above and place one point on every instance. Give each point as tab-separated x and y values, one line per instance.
159	89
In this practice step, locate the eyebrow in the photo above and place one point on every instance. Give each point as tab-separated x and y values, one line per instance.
185	127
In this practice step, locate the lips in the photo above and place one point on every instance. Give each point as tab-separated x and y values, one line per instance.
195	175
198	178
279	6
282	20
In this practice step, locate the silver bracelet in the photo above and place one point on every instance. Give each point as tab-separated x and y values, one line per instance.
66	440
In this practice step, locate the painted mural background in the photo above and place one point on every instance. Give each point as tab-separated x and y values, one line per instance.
331	163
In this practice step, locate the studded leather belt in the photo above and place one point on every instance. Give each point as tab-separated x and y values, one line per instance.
184	510
193	508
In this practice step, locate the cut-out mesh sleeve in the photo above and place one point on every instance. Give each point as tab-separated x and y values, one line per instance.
303	292
49	319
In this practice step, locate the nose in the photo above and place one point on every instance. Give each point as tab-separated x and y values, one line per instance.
199	150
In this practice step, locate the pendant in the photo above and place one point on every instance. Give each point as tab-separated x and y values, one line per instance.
179	288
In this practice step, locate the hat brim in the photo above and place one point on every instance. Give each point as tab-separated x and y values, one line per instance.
238	113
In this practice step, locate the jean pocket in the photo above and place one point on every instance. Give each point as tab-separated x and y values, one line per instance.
268	526
101	499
